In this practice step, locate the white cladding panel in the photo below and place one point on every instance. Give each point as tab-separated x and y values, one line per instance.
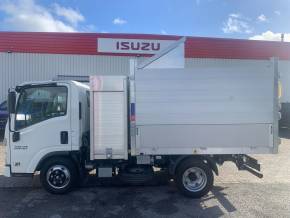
204	96
108	118
284	69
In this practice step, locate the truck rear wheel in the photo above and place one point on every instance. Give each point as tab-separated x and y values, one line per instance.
58	176
194	178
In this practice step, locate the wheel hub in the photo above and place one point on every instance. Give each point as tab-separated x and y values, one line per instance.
58	176
194	179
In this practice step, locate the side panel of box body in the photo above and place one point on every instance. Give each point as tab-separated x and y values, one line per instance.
108	109
205	110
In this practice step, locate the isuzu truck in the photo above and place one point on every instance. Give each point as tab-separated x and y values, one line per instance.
185	121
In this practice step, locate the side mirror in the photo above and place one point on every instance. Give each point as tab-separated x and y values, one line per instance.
11	102
16	137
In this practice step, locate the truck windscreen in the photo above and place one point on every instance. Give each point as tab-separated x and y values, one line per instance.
37	104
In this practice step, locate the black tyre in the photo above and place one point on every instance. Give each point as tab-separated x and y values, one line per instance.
59	175
194	178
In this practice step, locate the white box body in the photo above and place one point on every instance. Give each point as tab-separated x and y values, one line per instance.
186	111
207	111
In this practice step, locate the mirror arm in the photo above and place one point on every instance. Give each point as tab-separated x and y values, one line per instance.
9	112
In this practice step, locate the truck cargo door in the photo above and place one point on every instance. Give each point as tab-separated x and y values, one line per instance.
108	117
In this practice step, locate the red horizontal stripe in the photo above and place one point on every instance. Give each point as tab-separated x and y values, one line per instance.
86	44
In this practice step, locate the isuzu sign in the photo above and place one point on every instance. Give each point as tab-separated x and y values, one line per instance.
132	46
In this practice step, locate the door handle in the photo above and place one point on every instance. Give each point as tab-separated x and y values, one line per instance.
64	137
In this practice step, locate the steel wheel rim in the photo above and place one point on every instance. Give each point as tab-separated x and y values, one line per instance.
58	176
194	179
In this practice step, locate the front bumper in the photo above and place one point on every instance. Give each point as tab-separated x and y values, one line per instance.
7	171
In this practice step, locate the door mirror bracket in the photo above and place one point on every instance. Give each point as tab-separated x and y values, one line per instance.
11	102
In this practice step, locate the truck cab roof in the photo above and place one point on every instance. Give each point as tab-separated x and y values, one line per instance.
50	83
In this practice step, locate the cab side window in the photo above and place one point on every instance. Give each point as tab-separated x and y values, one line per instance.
37	104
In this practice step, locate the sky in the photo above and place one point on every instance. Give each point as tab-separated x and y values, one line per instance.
246	19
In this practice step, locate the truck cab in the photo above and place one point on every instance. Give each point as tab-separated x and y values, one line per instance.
48	119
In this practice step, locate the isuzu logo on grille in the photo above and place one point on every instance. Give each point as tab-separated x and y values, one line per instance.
132	46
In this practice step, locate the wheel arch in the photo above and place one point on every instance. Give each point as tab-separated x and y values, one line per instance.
207	159
58	154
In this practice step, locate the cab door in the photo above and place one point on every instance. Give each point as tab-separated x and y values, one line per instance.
41	125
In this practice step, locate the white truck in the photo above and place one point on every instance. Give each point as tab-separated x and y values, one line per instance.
183	121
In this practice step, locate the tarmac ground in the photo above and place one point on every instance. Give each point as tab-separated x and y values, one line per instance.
236	194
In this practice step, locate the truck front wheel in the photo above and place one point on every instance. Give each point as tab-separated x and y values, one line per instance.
58	176
194	178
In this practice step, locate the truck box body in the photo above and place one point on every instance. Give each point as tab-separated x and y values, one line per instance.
186	111
206	110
